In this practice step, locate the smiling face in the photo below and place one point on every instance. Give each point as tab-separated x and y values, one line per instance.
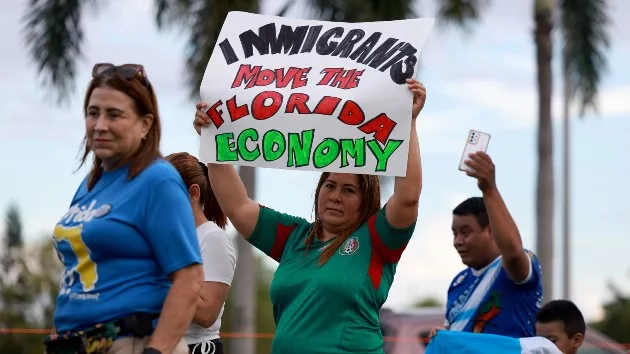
339	202
113	128
472	242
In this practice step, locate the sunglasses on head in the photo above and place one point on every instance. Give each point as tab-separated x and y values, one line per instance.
128	71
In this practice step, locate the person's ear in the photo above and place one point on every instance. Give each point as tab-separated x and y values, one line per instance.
147	123
195	193
488	230
577	340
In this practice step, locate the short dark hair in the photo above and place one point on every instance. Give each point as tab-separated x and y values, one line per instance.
566	312
476	207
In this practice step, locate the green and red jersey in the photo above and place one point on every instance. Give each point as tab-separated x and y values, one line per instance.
333	308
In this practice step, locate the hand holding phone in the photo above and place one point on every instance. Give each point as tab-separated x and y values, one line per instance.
476	141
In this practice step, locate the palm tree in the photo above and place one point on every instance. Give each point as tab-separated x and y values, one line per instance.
585	38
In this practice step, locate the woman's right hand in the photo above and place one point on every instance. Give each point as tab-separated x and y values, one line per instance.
201	118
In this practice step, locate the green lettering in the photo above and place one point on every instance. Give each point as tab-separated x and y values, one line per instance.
247	154
226	148
300	151
382	155
325	153
356	150
274	145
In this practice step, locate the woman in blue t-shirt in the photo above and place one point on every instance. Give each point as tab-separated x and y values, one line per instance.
127	242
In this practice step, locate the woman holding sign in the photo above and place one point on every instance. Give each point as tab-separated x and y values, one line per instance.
335	273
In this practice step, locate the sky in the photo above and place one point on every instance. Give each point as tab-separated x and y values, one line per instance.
482	78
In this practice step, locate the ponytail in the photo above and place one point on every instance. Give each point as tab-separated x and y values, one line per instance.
211	208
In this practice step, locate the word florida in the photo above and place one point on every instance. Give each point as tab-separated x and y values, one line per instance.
301	150
397	56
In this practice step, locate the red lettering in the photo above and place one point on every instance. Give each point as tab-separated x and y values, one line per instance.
215	114
329	74
342	80
381	126
351	113
303	79
236	112
246	74
266	77
294	76
338	77
261	111
354	79
298	101
327	105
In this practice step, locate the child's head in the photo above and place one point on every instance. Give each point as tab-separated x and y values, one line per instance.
561	322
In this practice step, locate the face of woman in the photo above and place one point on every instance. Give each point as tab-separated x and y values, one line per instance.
339	202
113	129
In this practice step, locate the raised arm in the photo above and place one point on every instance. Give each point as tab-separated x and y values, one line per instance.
516	262
229	188
402	207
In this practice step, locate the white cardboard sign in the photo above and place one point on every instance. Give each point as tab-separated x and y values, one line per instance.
311	95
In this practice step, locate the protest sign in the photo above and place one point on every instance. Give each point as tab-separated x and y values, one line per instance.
311	95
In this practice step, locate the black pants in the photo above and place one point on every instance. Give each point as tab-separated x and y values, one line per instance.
207	347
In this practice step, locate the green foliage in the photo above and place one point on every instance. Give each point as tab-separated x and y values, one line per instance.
585	25
616	320
264	311
428	302
28	287
53	33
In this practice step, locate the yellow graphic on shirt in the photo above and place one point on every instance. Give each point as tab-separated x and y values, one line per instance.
86	268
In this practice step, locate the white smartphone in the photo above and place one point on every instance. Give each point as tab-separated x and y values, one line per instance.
477	141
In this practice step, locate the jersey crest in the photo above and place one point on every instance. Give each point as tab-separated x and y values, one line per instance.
350	246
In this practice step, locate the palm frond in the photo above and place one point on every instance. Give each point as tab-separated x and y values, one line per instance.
361	10
585	26
286	7
171	12
206	22
53	34
460	12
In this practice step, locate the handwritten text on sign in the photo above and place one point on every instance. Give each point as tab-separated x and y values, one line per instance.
311	95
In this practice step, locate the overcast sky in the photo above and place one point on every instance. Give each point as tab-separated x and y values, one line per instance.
482	80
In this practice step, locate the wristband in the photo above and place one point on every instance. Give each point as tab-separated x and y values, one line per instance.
151	351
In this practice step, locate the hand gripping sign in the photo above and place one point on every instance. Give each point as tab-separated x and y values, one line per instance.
311	95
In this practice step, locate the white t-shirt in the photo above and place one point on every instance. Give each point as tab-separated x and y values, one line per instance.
219	262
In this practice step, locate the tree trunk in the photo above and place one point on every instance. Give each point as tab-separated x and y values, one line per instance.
543	15
566	186
244	284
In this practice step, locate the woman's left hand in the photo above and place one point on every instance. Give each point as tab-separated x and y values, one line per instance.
419	96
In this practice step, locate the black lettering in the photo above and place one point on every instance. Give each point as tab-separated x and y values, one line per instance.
345	47
383	52
267	41
400	77
405	50
324	47
288	39
228	52
311	38
262	40
364	49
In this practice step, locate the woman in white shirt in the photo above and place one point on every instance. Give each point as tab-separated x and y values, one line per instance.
217	252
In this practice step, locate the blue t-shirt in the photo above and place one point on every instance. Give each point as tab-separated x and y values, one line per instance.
119	242
488	301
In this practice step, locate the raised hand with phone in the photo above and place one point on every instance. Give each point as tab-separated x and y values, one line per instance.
482	168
